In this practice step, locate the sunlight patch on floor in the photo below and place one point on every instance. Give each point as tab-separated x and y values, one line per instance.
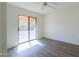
35	42
23	47
27	45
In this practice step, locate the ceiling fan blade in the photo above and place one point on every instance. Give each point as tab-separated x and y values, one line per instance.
43	6
54	3
51	6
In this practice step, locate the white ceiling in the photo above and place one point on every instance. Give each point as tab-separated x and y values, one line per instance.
37	6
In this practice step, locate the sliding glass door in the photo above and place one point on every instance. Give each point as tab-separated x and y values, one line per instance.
27	29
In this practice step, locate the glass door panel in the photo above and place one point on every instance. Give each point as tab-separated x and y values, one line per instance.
32	28
23	29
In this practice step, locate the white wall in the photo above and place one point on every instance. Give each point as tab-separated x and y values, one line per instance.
12	24
63	25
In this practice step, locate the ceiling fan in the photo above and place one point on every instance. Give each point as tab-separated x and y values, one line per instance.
49	4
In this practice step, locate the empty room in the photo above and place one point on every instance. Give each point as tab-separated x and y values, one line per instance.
39	29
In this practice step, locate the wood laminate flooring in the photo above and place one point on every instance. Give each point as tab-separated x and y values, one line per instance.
46	48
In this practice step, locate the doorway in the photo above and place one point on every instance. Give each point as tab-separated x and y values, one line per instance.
27	29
